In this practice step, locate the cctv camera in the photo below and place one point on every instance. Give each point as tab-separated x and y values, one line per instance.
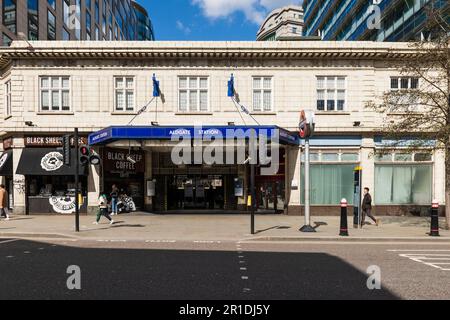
130	159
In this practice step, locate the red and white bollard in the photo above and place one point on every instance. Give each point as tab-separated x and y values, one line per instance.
344	227
434	232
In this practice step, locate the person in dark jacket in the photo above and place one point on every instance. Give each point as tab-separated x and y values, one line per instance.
367	208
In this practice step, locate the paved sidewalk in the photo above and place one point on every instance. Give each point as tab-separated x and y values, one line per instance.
217	227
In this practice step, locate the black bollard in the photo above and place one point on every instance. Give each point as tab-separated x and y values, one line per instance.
434	232
344	227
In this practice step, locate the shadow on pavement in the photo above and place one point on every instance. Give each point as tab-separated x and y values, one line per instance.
176	274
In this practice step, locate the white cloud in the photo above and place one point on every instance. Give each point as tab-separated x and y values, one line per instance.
180	26
254	10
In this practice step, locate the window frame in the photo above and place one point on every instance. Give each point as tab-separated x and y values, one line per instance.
198	89
50	90
399	83
124	89
261	92
335	90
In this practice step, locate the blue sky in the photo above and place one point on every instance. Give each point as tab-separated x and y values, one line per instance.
213	20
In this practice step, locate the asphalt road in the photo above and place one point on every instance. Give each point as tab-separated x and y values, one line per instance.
226	270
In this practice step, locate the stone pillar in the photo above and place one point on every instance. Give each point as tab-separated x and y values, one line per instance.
148	201
293	183
368	165
19	180
94	188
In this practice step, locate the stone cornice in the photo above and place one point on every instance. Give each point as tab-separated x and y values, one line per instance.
210	50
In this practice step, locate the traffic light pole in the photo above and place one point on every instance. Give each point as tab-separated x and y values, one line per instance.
77	173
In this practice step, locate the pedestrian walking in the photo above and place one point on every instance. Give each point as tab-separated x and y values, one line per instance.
103	209
4	202
114	199
367	208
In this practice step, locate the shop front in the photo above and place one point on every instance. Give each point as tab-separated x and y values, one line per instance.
192	186
125	169
49	184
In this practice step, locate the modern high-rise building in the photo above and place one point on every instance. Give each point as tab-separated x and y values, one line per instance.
144	24
284	23
73	20
377	20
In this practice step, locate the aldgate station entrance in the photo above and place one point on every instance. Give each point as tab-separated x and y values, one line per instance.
142	157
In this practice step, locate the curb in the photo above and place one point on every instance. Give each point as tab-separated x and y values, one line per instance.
351	239
35	235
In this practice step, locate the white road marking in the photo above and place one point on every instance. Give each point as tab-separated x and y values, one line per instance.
26	252
159	241
8	257
244	278
206	241
429	259
10	240
243	269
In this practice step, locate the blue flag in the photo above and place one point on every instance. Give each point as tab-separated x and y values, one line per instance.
231	86
156	91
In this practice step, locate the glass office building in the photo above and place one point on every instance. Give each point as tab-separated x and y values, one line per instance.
376	20
73	20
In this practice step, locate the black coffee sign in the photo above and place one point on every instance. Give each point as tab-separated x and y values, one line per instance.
121	160
40	141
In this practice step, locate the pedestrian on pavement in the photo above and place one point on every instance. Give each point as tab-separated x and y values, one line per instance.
114	199
4	202
367	208
103	209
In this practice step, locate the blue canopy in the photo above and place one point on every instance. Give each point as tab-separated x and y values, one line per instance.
117	133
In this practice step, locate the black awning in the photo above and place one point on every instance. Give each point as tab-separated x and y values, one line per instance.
46	162
6	163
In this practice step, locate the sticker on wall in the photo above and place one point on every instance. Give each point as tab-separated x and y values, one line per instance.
63	205
52	161
3	159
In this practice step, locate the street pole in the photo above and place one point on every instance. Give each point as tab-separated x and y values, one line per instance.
253	195
307	227
77	173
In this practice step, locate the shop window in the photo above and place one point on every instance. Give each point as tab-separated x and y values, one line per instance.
54	94
383	157
8	98
350	157
124	93
403	184
329	183
262	94
193	94
403	157
330	157
331	93
422	157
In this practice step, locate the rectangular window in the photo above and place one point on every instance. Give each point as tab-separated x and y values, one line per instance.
193	94
124	93
33	20
88	23
51	26
54	94
9	10
65	34
331	93
6	42
404	83
403	184
262	93
8	98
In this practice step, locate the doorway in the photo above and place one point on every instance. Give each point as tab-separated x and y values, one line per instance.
270	196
